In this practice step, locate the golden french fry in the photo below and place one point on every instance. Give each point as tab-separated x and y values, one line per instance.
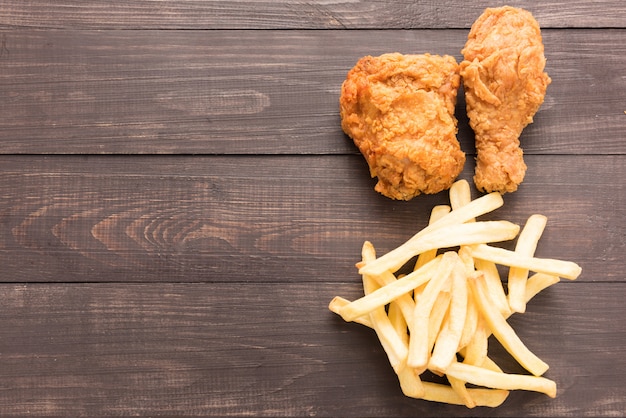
460	389
475	352
404	301
337	303
443	237
447	343
436	392
502	330
564	269
386	294
437	317
526	245
490	365
494	283
416	294
410	383
472	210
392	343
471	323
419	329
466	257
398	321
537	282
437	213
488	378
368	253
460	195
481	360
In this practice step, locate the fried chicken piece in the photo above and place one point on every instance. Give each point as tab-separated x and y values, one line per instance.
399	111
505	84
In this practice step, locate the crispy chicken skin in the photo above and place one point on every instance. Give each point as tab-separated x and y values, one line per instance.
505	84
399	111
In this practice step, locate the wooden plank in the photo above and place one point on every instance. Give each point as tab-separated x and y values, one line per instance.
264	350
196	283
291	14
266	218
177	91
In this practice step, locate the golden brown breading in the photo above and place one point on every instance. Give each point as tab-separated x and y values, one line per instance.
505	84
399	110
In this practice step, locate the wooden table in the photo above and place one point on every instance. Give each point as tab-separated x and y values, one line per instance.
179	205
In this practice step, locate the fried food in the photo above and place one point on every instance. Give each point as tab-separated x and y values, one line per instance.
440	316
505	84
399	111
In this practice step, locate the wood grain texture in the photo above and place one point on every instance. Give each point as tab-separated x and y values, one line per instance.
181	349
178	205
263	92
260	219
295	14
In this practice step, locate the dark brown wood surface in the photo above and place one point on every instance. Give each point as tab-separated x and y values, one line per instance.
261	92
292	14
178	205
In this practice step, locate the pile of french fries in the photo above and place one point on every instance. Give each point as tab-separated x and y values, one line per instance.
440	315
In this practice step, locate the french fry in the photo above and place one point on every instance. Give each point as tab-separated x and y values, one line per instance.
491	379
368	253
462	391
494	283
392	332
564	269
437	213
471	323
404	301
437	317
394	346
466	257
537	282
460	195
386	294
419	326
448	336
490	365
398	321
443	237
447	343
476	350
502	330
526	245
410	383
477	207
436	392
337	303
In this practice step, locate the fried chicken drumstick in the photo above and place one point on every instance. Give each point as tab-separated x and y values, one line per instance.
505	84
399	111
